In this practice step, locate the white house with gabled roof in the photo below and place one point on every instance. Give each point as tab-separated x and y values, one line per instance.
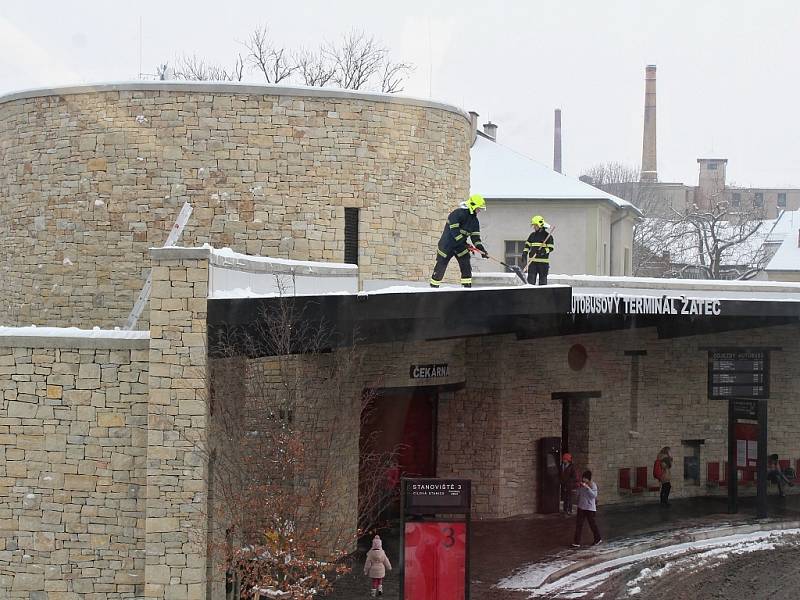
593	229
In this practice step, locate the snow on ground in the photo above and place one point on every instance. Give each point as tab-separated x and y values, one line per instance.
73	332
579	580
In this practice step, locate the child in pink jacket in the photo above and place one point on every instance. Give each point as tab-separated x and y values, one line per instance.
376	565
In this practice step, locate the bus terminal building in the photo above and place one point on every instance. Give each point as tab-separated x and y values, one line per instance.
108	473
98	477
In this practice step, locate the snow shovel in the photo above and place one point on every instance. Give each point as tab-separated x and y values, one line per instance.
514	269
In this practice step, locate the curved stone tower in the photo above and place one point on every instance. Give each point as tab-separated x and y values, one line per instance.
92	176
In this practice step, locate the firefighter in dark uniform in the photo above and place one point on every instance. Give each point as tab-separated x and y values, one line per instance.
461	224
537	251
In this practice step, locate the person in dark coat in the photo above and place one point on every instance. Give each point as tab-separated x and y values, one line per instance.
776	476
536	254
462	224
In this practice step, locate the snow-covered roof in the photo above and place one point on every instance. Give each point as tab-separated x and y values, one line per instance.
787	257
498	172
653	286
73	337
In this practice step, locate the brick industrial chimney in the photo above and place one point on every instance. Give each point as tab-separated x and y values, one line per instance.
649	168
557	142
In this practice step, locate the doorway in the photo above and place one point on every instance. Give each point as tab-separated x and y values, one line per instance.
400	422
575	423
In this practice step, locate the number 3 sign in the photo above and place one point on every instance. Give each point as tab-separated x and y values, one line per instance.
435	560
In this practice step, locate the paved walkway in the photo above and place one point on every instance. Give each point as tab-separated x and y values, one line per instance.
499	547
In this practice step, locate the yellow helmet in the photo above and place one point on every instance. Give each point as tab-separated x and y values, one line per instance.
475	202
538	220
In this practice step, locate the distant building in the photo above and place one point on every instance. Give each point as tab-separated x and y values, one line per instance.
666	198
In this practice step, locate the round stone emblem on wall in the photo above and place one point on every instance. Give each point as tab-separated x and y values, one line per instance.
576	357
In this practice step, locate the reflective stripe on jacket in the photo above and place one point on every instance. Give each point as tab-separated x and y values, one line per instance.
539	246
461	225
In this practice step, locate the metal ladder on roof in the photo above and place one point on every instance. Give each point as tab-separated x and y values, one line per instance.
172	238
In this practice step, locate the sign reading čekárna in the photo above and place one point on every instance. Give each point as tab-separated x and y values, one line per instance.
429	371
643	305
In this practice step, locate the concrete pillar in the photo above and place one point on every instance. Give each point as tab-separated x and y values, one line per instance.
649	162
557	142
177	487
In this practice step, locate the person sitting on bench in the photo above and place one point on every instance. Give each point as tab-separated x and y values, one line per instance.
775	475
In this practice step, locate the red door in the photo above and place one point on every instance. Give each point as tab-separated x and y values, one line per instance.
403	421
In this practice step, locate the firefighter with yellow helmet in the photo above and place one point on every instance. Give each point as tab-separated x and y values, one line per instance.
461	224
537	251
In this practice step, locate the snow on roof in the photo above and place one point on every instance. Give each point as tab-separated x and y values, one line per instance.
497	171
392	289
691	288
266	260
73	332
787	257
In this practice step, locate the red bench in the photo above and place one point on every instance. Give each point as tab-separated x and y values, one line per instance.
641	480
713	475
624	480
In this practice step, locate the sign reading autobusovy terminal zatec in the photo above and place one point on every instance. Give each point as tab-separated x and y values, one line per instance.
644	305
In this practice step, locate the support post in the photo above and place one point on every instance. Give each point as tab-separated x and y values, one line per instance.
733	480
761	500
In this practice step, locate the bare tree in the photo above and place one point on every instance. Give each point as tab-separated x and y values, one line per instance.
717	241
282	516
357	59
394	75
314	68
271	61
709	238
193	68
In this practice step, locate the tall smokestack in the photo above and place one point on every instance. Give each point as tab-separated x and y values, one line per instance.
557	142
649	168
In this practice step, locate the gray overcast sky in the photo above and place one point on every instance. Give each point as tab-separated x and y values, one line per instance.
727	69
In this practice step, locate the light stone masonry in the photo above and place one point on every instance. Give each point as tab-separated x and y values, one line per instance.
73	424
177	450
91	177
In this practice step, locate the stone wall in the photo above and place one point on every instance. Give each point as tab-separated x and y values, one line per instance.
90	177
177	417
73	418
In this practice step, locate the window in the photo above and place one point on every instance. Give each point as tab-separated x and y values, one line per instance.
513	254
782	199
712	166
737	199
351	236
759	201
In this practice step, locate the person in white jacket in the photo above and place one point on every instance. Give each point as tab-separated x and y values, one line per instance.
587	508
376	565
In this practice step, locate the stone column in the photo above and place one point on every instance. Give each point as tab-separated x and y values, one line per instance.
177	466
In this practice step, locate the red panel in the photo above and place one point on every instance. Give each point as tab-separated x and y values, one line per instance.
625	479
435	561
416	451
713	472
